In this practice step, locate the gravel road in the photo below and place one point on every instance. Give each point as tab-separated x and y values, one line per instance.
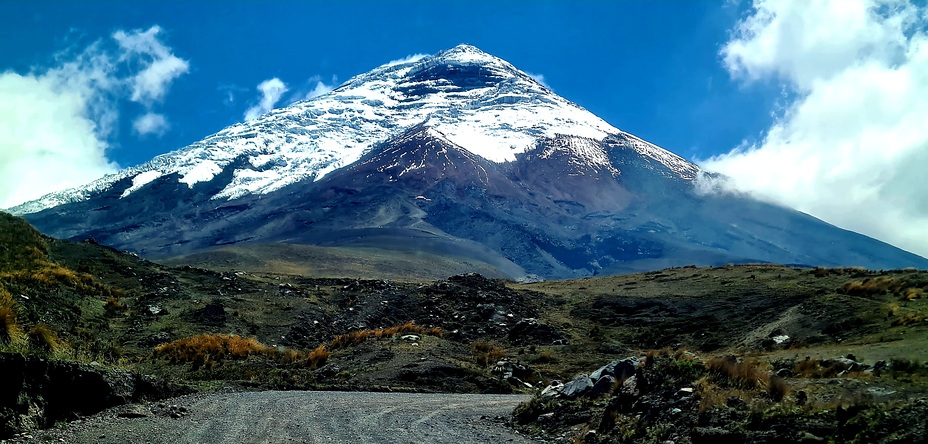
301	417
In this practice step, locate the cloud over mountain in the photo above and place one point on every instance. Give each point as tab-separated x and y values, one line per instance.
271	92
57	120
850	146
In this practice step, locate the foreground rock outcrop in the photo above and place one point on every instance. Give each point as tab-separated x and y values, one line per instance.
680	398
37	393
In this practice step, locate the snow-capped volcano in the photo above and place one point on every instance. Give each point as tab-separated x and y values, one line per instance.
458	153
477	101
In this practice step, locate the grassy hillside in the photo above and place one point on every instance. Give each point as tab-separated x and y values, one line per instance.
270	327
326	262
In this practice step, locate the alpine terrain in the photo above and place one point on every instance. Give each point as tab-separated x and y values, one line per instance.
459	155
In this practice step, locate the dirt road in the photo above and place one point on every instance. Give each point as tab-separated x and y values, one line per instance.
302	417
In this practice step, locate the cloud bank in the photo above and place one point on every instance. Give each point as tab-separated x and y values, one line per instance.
56	121
851	147
271	92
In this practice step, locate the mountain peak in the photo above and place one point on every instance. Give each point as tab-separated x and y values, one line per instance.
465	53
478	101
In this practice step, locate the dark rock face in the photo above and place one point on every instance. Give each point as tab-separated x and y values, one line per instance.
37	393
549	214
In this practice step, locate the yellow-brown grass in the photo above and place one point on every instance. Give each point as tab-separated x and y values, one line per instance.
912	294
45	275
745	374
869	287
487	353
113	306
42	337
211	349
9	327
546	356
359	336
318	357
910	319
206	348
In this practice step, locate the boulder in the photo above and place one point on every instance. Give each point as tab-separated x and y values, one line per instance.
552	390
630	387
579	386
617	369
601	387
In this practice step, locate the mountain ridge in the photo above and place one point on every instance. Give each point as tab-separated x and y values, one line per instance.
315	144
457	151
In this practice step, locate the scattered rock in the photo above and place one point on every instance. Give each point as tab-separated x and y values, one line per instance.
134	411
214	313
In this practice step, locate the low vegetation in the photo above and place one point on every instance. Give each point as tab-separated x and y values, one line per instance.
486	353
210	350
748	330
358	336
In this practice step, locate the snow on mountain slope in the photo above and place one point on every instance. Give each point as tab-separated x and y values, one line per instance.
477	101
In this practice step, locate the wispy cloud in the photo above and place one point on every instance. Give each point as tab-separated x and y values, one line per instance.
408	59
56	120
318	88
540	78
160	65
271	91
150	123
851	146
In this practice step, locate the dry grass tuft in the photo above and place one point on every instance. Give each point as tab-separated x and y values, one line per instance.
114	306
777	388
869	287
909	319
547	356
42	337
732	372
912	294
207	349
487	353
356	337
318	357
9	326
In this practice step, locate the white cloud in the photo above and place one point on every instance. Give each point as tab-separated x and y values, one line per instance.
271	92
49	140
150	123
851	148
56	121
319	88
408	59
540	78
160	65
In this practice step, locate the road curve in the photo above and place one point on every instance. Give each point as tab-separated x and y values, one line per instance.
305	417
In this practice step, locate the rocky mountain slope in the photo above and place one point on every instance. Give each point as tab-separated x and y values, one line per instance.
459	154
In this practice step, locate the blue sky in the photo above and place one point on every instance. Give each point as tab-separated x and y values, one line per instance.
817	105
650	68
